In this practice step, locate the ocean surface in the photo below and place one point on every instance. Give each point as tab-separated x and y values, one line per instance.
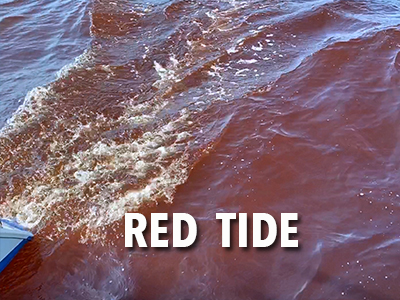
201	107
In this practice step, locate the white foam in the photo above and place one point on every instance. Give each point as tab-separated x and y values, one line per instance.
157	160
34	100
240	72
167	74
79	62
247	61
232	50
258	48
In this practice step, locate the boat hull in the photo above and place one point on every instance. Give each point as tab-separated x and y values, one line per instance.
12	239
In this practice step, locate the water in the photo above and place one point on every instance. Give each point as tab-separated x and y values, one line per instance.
201	107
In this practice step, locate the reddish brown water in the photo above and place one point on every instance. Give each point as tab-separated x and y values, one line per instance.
202	107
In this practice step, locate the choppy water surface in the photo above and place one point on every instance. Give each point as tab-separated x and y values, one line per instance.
201	107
